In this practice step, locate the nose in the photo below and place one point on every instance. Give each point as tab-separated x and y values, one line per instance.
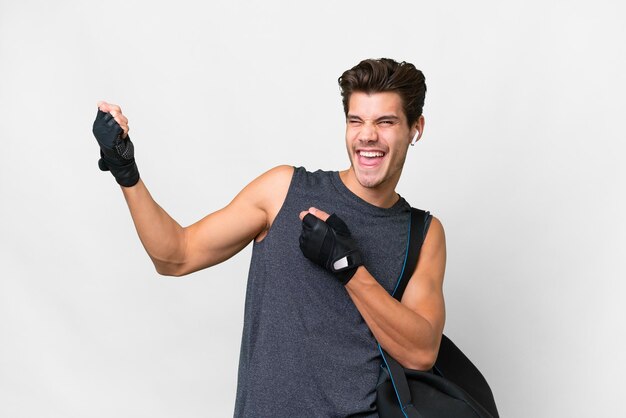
368	133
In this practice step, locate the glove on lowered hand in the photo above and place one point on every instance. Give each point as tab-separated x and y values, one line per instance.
330	245
116	153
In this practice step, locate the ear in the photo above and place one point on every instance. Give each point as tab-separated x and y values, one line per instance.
418	129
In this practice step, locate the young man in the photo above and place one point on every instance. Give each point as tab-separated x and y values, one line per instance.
318	294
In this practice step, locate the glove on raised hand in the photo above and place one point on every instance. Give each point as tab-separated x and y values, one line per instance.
330	245
116	153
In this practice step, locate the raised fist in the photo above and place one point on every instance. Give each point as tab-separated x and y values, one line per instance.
116	149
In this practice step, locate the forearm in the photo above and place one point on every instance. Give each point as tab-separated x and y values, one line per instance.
162	237
406	336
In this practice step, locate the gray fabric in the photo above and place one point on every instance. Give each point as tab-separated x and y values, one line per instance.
306	351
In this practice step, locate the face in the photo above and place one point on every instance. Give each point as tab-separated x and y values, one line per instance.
377	138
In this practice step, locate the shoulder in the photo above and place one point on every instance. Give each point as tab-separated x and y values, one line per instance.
435	235
279	178
434	246
435	228
427	279
268	191
276	176
269	185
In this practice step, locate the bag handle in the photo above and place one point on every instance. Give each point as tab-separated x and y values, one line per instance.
418	226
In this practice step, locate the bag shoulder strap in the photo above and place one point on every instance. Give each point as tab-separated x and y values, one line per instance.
418	227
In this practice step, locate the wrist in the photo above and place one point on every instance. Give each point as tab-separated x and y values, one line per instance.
124	169
359	278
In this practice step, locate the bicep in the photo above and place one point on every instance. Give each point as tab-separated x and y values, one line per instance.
424	292
224	233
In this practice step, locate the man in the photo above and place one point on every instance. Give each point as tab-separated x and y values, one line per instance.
318	294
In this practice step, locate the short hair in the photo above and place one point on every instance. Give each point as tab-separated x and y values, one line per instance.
386	75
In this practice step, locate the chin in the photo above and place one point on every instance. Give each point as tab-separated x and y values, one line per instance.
369	181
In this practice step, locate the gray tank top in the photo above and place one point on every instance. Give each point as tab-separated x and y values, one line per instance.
306	351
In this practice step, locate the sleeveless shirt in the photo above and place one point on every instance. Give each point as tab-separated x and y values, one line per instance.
305	350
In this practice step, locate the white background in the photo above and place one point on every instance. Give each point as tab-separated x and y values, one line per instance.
521	160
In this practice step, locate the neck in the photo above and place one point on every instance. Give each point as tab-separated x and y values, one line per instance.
384	195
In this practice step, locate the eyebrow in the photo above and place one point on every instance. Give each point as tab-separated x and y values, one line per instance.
384	117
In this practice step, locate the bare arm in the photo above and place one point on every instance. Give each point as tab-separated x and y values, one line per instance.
409	330
162	237
177	251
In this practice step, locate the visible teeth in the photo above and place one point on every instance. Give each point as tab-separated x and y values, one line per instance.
371	154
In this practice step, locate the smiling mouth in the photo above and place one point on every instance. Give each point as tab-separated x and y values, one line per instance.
371	154
370	158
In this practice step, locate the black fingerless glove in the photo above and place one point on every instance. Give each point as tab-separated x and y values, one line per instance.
116	153
330	245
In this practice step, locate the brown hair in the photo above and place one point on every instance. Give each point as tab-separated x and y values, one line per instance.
383	75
